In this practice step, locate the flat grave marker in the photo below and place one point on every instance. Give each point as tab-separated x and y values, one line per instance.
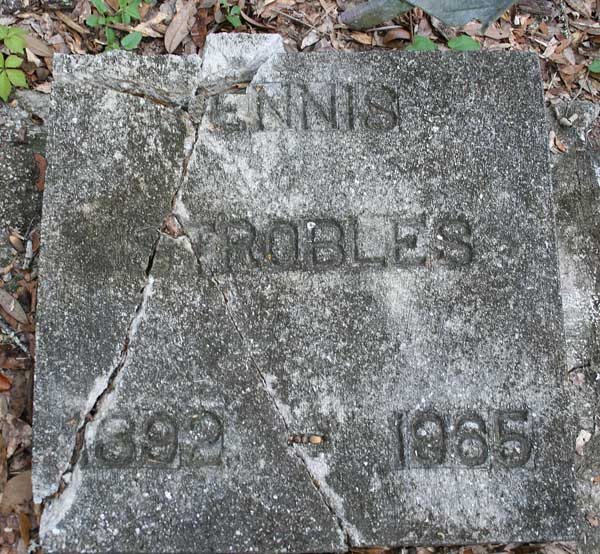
348	333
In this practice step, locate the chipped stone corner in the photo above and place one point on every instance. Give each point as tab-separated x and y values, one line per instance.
230	59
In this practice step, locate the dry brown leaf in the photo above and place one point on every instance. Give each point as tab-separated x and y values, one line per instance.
15	432
70	23
16	493
179	27
362	38
593	520
580	7
3	466
396	34
5	383
25	528
38	46
45	88
148	29
40	181
11	306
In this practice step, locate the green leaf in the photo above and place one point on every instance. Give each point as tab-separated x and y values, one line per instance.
111	36
92	20
594	67
3	32
15	44
132	40
16	32
126	18
421	44
1	61
13	62
235	10
17	77
101	6
463	43
234	20
5	86
133	11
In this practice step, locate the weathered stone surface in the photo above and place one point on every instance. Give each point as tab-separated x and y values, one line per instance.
165	79
577	199
357	342
115	161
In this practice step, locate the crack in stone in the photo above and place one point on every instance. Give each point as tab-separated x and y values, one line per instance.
113	377
330	505
189	146
116	373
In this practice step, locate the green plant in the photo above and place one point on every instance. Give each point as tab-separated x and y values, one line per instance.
10	75
128	10
232	13
421	44
594	67
463	43
12	37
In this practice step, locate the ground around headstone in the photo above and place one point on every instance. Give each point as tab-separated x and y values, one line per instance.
206	354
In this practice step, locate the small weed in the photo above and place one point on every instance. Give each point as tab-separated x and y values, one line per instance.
463	43
10	74
421	44
128	11
232	14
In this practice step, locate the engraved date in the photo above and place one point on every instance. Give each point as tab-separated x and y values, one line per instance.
434	439
158	440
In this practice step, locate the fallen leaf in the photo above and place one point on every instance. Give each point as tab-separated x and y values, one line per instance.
45	88
71	24
593	520
12	307
5	383
25	528
362	38
41	174
396	34
16	242
560	145
38	46
148	28
3	466
580	7
16	493
179	27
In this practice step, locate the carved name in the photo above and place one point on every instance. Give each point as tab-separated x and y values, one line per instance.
229	245
306	107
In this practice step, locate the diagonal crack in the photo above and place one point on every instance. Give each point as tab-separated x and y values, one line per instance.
132	328
114	376
327	502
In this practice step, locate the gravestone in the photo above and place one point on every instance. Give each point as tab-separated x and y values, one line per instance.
320	313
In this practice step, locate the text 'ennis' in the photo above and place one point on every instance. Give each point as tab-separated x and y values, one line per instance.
305	107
